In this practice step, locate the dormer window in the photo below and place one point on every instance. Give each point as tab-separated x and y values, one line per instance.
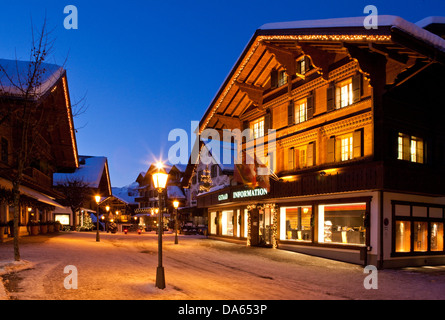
303	65
282	78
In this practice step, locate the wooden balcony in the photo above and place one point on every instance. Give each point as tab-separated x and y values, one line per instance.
364	176
38	179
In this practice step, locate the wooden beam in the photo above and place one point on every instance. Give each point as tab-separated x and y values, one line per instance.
228	122
285	57
320	58
254	93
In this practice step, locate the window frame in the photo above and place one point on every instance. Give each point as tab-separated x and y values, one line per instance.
410	148
299	106
413	219
259	122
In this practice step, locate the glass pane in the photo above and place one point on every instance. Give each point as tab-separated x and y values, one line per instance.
420	236
436	236
298	223
403	236
213	222
343	223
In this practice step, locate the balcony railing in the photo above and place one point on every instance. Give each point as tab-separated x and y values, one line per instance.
38	178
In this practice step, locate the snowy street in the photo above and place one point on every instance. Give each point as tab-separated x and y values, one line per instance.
123	267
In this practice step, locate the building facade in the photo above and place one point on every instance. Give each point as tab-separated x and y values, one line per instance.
348	120
51	147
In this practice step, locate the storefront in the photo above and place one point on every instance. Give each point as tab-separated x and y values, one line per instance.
363	227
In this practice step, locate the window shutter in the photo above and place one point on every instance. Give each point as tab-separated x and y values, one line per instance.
310	106
290	159
267	123
297	159
298	67
330	98
311	154
274	78
290	113
420	151
357	144
356	88
330	150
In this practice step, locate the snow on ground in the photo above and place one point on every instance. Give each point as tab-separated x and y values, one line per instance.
123	267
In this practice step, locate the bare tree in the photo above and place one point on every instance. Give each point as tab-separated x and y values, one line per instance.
76	192
22	108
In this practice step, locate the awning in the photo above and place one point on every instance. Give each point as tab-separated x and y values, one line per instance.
31	193
64	210
39	196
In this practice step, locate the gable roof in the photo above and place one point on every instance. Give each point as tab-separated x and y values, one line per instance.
90	171
13	75
392	31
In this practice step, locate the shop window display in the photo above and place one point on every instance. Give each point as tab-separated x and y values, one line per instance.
298	223
342	223
420	236
227	223
403	236
436	241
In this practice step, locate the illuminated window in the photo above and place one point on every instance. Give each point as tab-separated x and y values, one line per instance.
342	223
346	147
410	148
282	78
301	111
227	223
436	241
302	63
420	236
257	128
346	97
403	236
213	222
296	223
301	158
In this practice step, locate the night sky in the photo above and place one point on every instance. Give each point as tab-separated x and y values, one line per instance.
148	67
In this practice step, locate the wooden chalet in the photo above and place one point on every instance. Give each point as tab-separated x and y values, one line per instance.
93	173
358	144
54	146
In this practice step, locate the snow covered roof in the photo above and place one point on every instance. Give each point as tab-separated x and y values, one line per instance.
175	192
415	30
425	22
127	193
14	75
90	171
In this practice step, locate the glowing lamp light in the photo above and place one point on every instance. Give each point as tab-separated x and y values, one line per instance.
176	204
97	198
107	208
160	177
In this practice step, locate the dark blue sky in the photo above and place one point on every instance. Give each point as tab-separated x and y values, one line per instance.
148	67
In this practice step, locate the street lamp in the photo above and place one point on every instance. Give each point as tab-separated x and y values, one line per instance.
97	198
160	181
176	205
108	217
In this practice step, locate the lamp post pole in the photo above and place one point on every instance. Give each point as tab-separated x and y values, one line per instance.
160	276
97	219
160	183
176	204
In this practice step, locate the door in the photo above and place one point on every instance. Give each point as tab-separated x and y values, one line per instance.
265	226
